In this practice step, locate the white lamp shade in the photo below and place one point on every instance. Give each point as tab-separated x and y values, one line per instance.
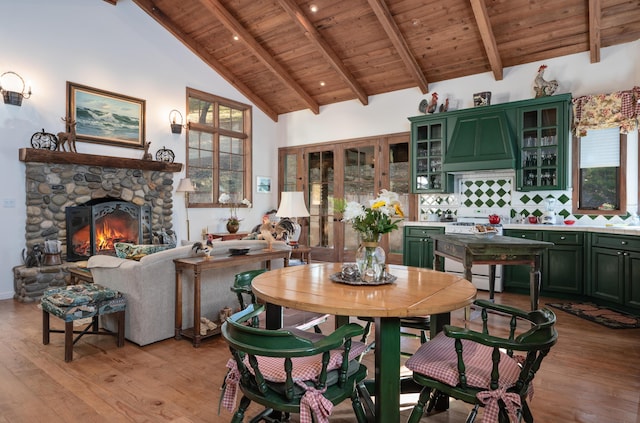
185	185
292	205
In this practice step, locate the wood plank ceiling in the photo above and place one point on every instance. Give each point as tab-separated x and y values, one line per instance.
284	57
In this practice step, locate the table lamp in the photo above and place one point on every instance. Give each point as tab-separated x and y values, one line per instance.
186	186
292	205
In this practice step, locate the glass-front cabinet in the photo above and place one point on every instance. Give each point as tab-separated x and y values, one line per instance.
428	141
543	131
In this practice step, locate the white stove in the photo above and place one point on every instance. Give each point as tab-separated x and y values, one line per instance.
479	272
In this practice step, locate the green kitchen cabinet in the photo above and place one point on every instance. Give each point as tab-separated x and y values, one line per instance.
428	146
515	278
543	133
563	264
418	246
615	269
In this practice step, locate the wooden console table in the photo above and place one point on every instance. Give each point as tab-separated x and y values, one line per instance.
199	264
469	249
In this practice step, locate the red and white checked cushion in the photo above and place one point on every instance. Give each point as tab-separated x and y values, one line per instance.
437	359
304	368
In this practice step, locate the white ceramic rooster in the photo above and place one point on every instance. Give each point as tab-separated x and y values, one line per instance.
544	88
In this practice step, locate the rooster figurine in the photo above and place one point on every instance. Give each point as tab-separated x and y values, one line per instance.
544	88
266	231
434	103
444	106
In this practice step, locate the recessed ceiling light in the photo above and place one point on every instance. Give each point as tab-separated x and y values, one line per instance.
322	83
313	7
236	38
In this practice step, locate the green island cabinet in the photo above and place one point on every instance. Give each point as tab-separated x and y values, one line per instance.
562	264
615	269
418	246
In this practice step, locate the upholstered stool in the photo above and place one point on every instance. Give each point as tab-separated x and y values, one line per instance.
81	301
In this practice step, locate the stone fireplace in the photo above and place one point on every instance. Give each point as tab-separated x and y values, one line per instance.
56	181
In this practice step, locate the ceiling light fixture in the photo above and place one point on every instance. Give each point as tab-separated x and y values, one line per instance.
313	7
322	83
236	38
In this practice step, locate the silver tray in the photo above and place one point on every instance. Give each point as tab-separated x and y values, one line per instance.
388	278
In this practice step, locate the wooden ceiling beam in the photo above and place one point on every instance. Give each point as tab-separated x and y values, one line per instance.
595	40
310	31
488	39
198	50
223	15
113	2
383	14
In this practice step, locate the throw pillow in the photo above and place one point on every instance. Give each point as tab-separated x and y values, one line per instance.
129	251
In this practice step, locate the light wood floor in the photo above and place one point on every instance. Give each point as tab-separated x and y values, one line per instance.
591	375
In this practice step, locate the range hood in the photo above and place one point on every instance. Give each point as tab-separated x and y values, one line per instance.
480	141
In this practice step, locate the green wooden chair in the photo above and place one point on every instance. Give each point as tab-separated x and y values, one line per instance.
480	368
242	288
291	371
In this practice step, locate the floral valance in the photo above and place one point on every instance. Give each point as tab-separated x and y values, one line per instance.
618	109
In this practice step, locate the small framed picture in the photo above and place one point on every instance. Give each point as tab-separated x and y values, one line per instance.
264	184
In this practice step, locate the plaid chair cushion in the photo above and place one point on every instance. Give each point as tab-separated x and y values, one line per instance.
437	359
304	368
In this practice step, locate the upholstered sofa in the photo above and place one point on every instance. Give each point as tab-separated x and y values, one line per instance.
149	286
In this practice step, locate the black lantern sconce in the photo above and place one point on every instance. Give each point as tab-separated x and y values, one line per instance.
174	117
13	97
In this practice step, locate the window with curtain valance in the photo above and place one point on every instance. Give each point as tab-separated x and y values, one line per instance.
600	111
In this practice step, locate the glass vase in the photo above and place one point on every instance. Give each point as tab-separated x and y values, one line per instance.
370	259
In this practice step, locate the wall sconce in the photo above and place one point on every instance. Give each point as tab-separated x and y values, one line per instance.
174	116
13	97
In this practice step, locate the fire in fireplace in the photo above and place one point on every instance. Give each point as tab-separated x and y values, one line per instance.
94	228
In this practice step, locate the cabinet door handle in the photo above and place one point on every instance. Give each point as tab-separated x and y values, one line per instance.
619	253
562	238
624	242
524	236
625	254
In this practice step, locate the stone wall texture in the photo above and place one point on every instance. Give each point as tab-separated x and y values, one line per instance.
50	188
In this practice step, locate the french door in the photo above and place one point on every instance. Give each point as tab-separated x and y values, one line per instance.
355	170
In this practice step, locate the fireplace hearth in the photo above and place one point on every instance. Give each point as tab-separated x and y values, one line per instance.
93	228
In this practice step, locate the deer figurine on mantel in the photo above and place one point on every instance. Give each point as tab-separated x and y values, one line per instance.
68	137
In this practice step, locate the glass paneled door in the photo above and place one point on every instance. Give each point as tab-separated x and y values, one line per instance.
359	186
321	180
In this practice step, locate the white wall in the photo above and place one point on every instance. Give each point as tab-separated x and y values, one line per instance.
618	69
114	48
121	49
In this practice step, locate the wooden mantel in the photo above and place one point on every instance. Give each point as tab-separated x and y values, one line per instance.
61	157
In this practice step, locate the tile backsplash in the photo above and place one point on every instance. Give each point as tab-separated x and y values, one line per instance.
484	193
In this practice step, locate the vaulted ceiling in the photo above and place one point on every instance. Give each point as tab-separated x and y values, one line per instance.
285	57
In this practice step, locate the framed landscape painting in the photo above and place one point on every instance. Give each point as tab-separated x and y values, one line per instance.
264	184
105	117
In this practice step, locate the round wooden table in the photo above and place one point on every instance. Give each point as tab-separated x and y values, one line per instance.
416	292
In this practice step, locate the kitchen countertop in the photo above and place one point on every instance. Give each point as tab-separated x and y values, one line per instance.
615	229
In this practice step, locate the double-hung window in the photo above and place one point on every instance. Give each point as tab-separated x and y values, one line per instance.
600	172
218	149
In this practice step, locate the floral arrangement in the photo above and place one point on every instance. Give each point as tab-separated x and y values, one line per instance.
376	219
233	207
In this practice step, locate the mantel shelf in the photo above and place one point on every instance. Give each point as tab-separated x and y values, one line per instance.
61	157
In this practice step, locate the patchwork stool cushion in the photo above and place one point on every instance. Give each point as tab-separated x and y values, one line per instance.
81	301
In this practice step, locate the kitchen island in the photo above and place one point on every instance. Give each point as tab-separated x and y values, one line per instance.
470	249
